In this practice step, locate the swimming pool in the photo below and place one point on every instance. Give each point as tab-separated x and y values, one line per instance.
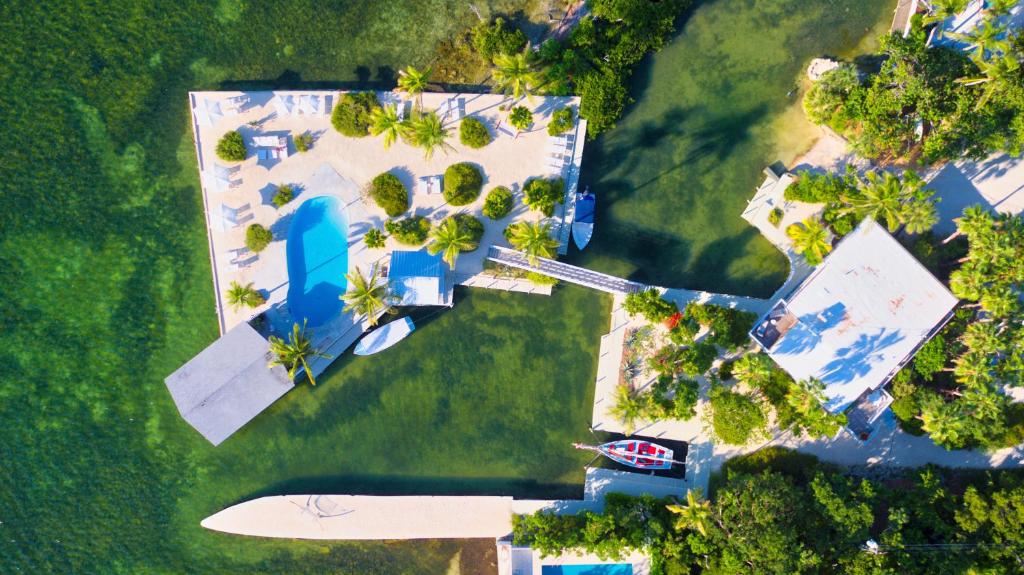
604	569
317	252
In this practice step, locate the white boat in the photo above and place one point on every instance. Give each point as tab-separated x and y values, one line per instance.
583	218
385	337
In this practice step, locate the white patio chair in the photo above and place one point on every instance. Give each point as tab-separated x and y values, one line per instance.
233	217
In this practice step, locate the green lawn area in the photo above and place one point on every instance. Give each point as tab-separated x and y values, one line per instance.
712	109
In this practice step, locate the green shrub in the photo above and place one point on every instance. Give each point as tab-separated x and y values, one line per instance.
541	279
303	142
390	194
820	188
497	38
650	304
542	195
257	237
351	115
231	147
931	358
729	327
498	203
462	184
375	238
697	358
520	117
725	370
603	96
683	332
735	418
775	216
411	231
473	133
284	194
469	225
561	121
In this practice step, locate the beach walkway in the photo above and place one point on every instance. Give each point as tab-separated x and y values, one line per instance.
564	272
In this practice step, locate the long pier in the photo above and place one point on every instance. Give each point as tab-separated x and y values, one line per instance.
564	271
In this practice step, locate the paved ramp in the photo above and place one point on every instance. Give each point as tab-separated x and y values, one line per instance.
564	272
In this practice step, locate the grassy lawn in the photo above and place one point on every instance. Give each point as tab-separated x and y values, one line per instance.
712	109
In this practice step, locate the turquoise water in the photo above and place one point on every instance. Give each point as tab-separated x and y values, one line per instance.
614	569
317	260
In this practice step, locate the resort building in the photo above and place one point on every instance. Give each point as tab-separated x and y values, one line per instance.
856	321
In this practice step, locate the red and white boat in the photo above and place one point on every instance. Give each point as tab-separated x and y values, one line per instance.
634	453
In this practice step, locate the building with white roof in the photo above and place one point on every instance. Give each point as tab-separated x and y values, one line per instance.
858	318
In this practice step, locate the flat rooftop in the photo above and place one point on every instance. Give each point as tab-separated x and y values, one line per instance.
857	318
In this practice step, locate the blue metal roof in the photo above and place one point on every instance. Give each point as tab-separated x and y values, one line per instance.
406	264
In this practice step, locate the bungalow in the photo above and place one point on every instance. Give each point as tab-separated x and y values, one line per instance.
856	321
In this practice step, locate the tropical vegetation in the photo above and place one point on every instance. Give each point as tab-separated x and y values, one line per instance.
498	203
649	304
295	352
352	115
521	118
368	296
231	147
303	142
413	83
473	133
497	37
562	120
810	238
239	295
734	418
257	237
953	390
454	235
375	238
933	102
389	193
410	231
778	511
514	74
542	194
727	327
462	184
533	239
425	130
284	194
384	121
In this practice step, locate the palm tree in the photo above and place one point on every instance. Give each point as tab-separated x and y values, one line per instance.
753	369
880	198
239	295
520	118
534	239
919	216
810	238
973	368
513	74
982	337
974	220
384	120
368	296
696	514
941	420
1000	301
426	131
450	238
414	83
995	74
628	408
985	39
968	282
295	352
942	9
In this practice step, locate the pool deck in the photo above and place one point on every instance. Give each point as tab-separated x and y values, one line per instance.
349	164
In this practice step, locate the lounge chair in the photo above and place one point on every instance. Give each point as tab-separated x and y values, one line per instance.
444	110
233	217
400	110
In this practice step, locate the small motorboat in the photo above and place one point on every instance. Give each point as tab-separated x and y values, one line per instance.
634	453
583	218
385	337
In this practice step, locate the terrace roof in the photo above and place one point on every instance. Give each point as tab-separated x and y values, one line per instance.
418	278
228	383
855	321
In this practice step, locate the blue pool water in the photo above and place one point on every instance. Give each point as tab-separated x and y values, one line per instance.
317	260
608	569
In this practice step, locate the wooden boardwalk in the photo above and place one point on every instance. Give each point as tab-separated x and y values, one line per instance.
564	272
